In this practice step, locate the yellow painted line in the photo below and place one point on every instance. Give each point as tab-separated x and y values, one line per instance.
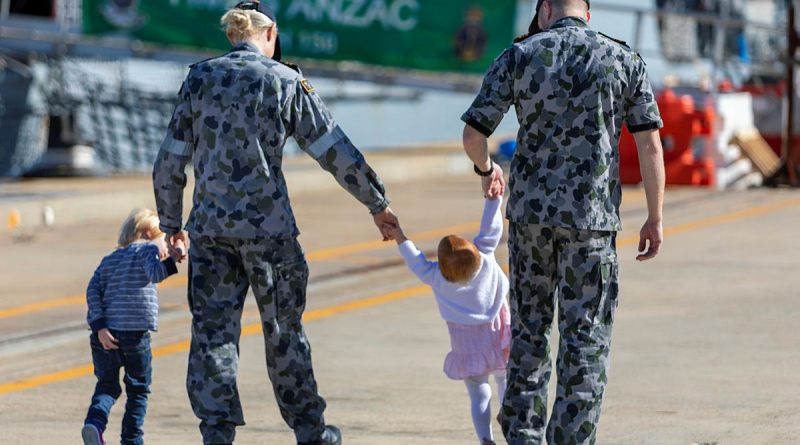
183	346
717	220
182	280
43	305
174	281
327	254
46	379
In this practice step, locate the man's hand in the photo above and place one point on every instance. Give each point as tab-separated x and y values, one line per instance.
383	219
494	185
477	149
178	245
106	339
650	238
651	164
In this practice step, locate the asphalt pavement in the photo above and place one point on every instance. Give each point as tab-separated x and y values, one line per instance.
705	348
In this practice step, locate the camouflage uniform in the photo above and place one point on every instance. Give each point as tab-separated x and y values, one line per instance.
234	115
573	89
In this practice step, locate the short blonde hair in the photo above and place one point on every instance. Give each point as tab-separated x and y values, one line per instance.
242	24
458	259
140	224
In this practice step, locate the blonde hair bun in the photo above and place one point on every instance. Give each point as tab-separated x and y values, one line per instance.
242	24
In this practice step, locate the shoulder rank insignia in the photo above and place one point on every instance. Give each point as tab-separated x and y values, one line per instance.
292	66
621	42
523	37
306	86
198	63
624	44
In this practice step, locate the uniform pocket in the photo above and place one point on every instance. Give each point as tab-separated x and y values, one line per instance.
607	290
291	279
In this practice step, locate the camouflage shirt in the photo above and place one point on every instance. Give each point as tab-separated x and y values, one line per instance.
234	115
572	89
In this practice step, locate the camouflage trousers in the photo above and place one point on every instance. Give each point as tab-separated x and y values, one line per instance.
577	269
221	270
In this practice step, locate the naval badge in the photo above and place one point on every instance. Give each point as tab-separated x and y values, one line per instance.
306	86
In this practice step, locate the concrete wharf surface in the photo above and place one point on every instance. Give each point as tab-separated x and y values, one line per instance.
706	347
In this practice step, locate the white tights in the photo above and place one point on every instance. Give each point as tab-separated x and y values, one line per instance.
480	395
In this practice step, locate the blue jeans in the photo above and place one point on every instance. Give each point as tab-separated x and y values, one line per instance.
135	356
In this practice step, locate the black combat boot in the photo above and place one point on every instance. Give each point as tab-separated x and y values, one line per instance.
331	436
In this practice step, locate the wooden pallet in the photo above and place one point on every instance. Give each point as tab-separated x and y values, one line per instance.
755	148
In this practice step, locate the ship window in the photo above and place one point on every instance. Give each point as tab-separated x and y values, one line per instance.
40	8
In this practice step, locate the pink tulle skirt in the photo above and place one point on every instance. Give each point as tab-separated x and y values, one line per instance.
478	349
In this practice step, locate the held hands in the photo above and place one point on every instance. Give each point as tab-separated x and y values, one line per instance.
178	246
384	220
494	186
650	238
395	233
107	340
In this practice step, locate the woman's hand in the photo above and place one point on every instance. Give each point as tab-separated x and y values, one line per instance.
395	233
383	219
178	244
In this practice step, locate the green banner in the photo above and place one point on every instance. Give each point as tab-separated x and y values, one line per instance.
438	35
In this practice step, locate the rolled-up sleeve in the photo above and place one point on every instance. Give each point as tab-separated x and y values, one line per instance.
641	108
169	170
316	132
495	97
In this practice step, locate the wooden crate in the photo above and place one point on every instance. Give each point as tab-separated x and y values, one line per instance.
755	148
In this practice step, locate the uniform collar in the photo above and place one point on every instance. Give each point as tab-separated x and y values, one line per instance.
246	46
570	21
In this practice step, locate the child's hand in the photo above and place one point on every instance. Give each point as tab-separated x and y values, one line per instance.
106	339
178	251
161	243
395	233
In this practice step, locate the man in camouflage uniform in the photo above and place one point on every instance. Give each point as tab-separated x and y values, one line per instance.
572	88
234	115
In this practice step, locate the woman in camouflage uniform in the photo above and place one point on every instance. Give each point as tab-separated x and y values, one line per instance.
234	115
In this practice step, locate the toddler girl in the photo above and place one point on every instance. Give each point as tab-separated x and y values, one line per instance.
470	289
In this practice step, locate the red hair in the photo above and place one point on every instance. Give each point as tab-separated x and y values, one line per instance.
458	259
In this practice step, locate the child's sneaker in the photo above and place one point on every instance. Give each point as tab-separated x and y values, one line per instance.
91	435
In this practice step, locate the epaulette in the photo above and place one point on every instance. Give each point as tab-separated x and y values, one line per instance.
522	37
624	44
290	65
525	36
621	42
204	60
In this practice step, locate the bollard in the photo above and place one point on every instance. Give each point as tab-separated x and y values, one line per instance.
14	220
48	217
